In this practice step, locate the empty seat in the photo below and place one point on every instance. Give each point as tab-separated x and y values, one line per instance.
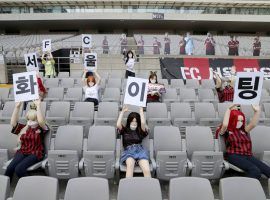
208	83
190	188
52	83
169	97
58	114
192	83
221	109
177	83
248	111
6	113
156	115
107	113
266	119
111	95
86	188
67	82
76	74
36	187
116	74
5	187
10	95
66	152
169	153
207	95
240	188
266	84
99	154
207	161
55	94
114	83
188	95
265	96
260	143
4	92
63	75
83	114
205	115
73	95
164	82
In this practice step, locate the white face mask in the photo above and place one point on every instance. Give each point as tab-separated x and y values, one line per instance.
225	84
32	124
152	80
130	55
133	126
91	84
239	125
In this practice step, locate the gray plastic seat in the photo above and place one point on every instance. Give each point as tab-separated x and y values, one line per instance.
83	114
86	188
4	92
265	96
207	161
116	74
66	152
36	187
139	188
221	109
207	95
260	143
190	188
58	114
266	84
10	95
67	82
114	83
52	83
188	95
73	95
170	97
177	84
156	115
248	111
111	95
169	152
107	113
208	84
55	94
205	115
192	83
266	119
5	187
6	113
240	188
76	74
164	82
99	155
63	74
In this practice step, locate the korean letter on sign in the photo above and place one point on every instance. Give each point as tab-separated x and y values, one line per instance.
87	41
136	92
31	62
25	86
248	88
46	45
90	61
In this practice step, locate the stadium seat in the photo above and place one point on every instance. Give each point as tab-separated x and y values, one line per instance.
206	159
4	92
36	187
76	74
266	107
156	115
221	109
6	113
10	95
107	114
169	97
207	95
192	83
188	95
55	94
266	84
248	111
190	188
67	83
83	115
164	82
169	153
177	84
208	84
51	82
63	75
65	152
111	95
139	188
58	114
99	152
240	188
78	83
5	187
86	188
265	96
114	83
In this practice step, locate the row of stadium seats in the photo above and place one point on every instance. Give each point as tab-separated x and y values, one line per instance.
184	188
69	155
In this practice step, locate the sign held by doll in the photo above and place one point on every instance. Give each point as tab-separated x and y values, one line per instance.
31	62
47	45
86	41
136	91
25	86
248	88
90	61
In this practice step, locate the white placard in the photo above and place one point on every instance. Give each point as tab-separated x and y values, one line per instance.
25	86
248	88
31	62
90	61
136	92
47	45
86	41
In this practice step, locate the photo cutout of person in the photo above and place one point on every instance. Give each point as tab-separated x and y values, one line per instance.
156	46
167	44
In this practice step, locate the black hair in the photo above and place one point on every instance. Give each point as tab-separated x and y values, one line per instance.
152	75
130	117
127	58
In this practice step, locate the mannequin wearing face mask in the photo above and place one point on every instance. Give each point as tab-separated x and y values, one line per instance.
48	62
30	149
153	96
238	144
130	62
132	135
91	81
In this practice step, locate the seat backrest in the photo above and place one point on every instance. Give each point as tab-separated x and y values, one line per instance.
204	110
240	188
208	83
190	188
67	82
107	110
63	74
260	138
199	138
59	109
266	107
114	83
74	93
167	138
4	93
177	83
139	188
8	109
56	93
69	137
101	138
84	109
113	93
85	188
76	74
187	93
205	94
52	82
266	84
156	110
7	139
171	93
36	187
5	187
192	83
180	110
222	107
